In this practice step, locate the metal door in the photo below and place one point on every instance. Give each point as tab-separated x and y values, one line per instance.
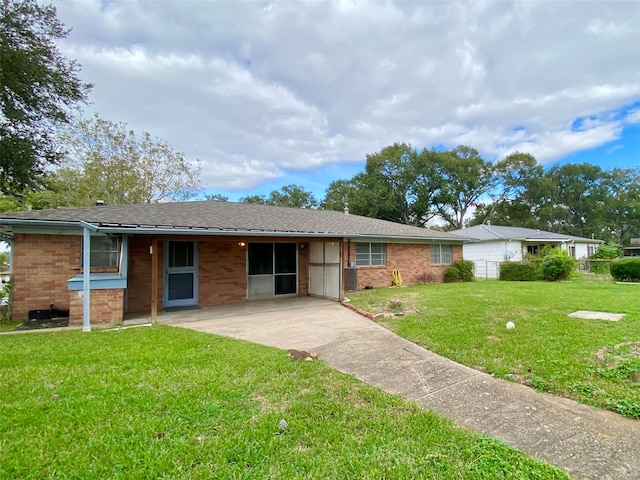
181	274
324	269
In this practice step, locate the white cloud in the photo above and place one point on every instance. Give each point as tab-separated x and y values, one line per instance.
254	90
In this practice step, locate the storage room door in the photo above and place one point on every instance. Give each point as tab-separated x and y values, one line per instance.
324	269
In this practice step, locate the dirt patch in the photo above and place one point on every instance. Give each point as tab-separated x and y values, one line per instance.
611	356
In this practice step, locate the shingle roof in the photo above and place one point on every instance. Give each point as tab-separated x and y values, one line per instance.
485	233
229	217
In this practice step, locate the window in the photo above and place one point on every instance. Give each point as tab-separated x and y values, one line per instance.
371	254
441	254
104	252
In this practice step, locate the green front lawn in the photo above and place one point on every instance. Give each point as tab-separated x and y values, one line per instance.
163	402
547	349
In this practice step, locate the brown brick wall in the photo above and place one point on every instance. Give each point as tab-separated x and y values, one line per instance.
412	260
42	264
222	270
106	306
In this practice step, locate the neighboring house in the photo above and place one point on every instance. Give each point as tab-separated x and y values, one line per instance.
180	255
495	244
5	274
633	250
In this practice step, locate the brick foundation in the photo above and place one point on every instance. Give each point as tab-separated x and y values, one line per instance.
106	306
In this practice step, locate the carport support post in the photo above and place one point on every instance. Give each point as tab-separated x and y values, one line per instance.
86	280
154	280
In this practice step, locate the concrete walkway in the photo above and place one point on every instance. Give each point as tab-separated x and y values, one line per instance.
586	442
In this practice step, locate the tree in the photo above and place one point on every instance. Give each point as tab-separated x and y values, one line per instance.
108	162
463	179
288	196
292	196
254	199
395	186
216	197
40	87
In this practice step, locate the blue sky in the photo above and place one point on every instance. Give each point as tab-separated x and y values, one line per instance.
265	94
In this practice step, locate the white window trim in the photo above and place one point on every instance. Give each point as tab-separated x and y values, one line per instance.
440	255
370	264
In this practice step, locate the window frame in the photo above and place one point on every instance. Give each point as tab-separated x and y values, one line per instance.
97	249
439	256
366	259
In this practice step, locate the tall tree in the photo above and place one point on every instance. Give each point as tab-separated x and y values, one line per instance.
463	178
40	87
622	210
292	196
395	186
109	162
288	196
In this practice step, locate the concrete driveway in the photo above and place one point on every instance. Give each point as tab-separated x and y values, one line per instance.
585	442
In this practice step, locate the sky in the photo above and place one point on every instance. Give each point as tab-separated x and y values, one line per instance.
266	94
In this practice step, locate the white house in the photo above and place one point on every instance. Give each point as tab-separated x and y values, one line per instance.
495	244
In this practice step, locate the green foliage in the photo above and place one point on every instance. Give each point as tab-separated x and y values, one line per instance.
162	402
547	349
403	185
557	265
459	271
601	260
452	275
626	270
288	196
518	271
608	251
574	199
39	89
109	162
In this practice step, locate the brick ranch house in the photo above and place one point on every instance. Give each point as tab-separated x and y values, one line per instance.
181	255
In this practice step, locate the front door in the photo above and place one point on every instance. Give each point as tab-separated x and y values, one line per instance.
181	274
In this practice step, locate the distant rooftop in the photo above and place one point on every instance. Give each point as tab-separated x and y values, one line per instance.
496	232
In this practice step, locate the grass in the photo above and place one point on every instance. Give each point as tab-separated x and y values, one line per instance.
546	350
8	325
163	402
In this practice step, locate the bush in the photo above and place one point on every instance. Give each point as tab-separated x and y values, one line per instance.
601	260
459	271
557	265
626	270
518	271
452	275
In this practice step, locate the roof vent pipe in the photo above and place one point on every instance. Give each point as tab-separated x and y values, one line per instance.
346	209
99	203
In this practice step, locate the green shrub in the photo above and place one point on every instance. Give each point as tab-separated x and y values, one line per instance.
626	270
452	275
465	267
459	271
601	260
557	265
518	271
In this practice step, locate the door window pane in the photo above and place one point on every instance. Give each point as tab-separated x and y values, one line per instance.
181	254
260	258
285	284
180	286
285	257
